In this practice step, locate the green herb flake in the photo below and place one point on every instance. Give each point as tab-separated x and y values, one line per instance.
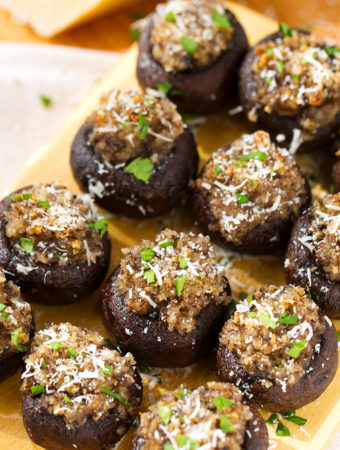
179	284
43	364
282	430
308	291
278	364
165	414
149	276
166	244
15	336
241	164
189	45
266	319
46	101
296	348
26	244
91	336
241	198
338	335
332	189
201	276
252	315
44	204
38	389
286	30
140	168
168	447
186	442
280	66
27	197
56	345
2	307
226	425
181	418
272	419
72	352
222	402
183	263
268	80
147	254
287	318
242	295
143	127
134	33
220	19
170	17
332	50
292	417
253	155
182	393
250	298
15	198
164	87
295	77
218	169
270	52
113	394
67	399
100	225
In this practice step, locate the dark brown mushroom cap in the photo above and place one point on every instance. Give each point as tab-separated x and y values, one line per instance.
257	439
204	90
51	432
51	283
336	175
310	386
273	122
149	339
166	187
300	261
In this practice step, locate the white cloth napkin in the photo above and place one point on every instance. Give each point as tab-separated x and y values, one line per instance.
31	75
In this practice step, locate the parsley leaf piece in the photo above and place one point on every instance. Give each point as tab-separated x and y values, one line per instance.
308	291
250	298
113	394
292	417
220	19
26	244
38	389
43	364
181	418
332	50
272	419
241	164
168	447
266	319
166	244
147	254
183	263
189	45
165	414
182	393
226	425
107	370
268	80
242	295
296	348
100	225
282	430
44	204
170	17
15	337
46	101
185	441
241	198
218	169
252	315
143	127
2	307
56	345
253	155
140	168
27	196
72	352
287	318
280	66
164	87
15	198
179	284
222	402
270	51
67	399
149	276
338	335
134	33
285	29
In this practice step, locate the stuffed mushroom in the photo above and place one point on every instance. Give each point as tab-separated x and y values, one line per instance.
77	391
166	301
214	416
313	255
249	195
290	85
134	154
280	347
191	51
16	327
53	243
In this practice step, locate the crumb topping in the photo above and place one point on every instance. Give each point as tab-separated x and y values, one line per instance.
129	124
274	333
78	375
298	75
189	34
15	317
177	275
249	183
54	226
325	234
208	417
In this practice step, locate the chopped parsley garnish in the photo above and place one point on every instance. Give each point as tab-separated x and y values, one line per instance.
100	225
140	168
2	307
201	276
282	430
15	337
189	45
332	50
134	33
26	244
226	425
182	393
166	244
113	394
280	66
266	319
292	417
295	77
149	276
252	315
67	399
296	348
92	335
185	441
46	101
242	295
338	335
179	284
27	196
165	414
181	418
15	198
44	204
278	364
126	126
2	311
241	164
218	169
183	263
72	352
287	318
220	19
268	80
43	364
332	189
143	127
38	389
106	369
270	51
164	87
272	419
250	298
170	17
56	345
286	30
241	198
308	291
168	447
253	155
222	402
147	254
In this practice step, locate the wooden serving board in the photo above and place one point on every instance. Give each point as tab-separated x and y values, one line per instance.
245	273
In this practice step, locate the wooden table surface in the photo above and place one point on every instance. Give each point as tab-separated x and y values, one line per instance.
111	32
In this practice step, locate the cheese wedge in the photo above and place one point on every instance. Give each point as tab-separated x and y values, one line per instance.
49	17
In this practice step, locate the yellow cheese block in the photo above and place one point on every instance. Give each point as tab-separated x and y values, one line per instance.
50	17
